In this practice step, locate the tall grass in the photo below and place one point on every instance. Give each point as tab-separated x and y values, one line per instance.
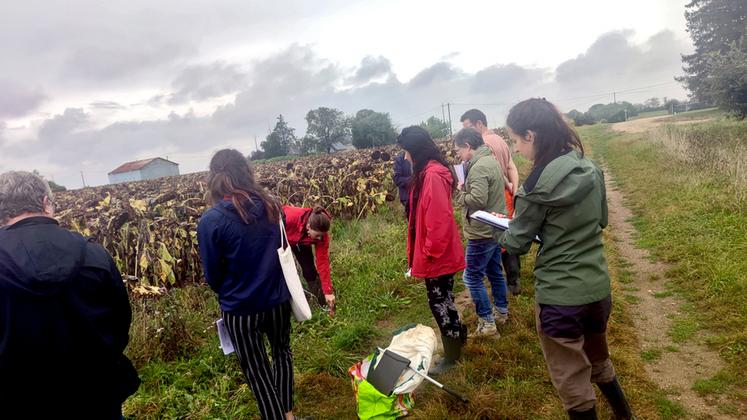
715	150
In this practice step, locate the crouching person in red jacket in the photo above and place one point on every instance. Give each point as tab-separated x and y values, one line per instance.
434	247
307	227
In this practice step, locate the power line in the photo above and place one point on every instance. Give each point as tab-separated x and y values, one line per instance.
597	95
573	101
422	113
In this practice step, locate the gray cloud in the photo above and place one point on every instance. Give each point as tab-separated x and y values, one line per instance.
372	68
437	73
201	82
614	59
499	79
106	105
100	63
68	140
77	45
17	100
295	80
61	125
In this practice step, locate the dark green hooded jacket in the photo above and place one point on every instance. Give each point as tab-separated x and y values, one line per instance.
565	204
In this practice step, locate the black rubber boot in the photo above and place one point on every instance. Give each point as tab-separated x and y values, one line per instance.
616	398
452	353
463	333
590	414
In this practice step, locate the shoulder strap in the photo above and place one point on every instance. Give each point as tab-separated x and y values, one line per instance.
283	235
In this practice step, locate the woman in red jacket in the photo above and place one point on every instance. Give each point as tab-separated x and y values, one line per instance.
434	247
307	227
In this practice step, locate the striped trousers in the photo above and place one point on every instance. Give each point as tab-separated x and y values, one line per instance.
272	385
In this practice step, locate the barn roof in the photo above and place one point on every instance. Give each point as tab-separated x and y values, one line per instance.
136	165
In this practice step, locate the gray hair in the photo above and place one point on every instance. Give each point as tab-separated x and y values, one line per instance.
468	136
22	192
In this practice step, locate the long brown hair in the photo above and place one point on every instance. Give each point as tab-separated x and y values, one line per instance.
416	141
553	136
231	176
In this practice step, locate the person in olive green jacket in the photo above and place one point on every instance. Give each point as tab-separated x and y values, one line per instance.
564	202
482	190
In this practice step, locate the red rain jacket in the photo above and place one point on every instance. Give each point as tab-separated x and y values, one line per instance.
437	246
296	219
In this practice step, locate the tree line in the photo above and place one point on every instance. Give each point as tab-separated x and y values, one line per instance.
622	111
329	130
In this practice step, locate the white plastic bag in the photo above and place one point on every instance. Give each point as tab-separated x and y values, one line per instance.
417	344
224	337
299	304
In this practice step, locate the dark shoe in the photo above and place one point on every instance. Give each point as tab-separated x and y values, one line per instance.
463	333
514	287
452	353
512	265
590	414
616	398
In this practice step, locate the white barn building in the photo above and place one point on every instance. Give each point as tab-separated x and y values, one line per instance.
141	170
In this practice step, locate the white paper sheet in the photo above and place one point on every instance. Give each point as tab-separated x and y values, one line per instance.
495	221
225	338
459	169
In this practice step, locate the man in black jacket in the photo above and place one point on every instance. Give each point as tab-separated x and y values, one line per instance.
64	314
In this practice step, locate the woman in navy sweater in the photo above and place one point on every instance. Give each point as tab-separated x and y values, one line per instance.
238	238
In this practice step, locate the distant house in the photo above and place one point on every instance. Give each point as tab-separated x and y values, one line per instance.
344	145
140	170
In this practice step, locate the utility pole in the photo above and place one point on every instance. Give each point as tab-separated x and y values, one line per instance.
614	97
82	178
443	113
255	143
448	107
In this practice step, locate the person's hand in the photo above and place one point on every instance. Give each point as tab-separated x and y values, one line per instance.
499	215
331	303
514	189
460	186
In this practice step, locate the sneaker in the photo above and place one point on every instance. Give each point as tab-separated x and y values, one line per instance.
499	317
485	327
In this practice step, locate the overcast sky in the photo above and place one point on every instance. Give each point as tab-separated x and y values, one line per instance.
88	85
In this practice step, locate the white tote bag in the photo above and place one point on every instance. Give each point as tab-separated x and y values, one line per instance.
299	304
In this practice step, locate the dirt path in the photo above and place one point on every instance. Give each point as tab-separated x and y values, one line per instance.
642	125
680	364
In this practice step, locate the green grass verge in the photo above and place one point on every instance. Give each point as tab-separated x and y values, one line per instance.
185	375
693	219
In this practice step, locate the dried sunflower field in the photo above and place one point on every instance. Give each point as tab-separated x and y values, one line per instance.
149	227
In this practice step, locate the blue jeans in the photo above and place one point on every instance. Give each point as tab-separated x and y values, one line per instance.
484	258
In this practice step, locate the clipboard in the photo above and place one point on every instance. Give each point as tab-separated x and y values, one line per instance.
495	221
